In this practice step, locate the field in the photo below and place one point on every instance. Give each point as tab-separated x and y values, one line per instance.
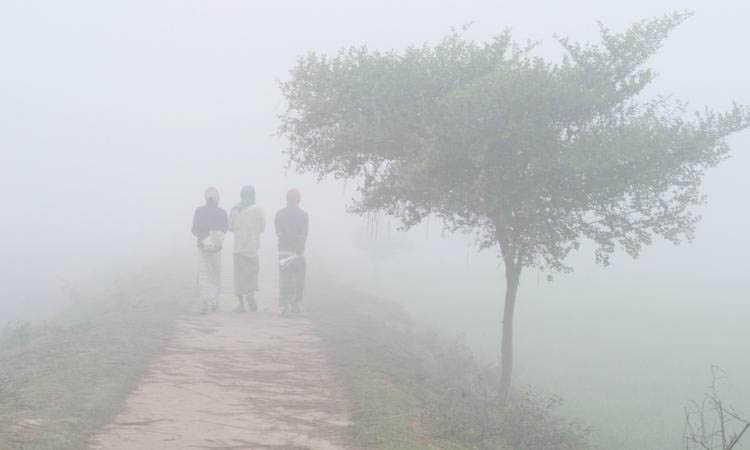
625	348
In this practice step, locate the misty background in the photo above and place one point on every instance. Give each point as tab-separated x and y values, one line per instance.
115	116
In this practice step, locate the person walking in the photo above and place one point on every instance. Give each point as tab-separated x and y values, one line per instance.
291	225
209	227
247	222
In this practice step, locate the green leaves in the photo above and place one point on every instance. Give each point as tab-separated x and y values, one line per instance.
532	156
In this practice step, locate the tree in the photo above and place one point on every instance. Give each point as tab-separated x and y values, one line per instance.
711	423
534	157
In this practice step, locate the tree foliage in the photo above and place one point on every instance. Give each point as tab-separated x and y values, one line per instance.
530	154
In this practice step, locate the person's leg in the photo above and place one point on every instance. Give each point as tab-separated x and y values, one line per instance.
252	305
300	271
286	283
253	269
300	280
215	280
238	267
206	280
240	304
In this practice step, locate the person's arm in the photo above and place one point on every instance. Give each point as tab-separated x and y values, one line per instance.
304	230
305	227
232	218
195	229
224	223
276	224
261	220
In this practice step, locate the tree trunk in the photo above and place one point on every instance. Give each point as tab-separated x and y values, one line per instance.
512	278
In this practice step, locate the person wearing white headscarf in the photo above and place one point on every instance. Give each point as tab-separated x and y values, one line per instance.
209	226
247	221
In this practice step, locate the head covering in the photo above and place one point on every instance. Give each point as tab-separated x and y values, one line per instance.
247	196
293	197
212	195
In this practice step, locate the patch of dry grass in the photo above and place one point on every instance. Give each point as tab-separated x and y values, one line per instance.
64	379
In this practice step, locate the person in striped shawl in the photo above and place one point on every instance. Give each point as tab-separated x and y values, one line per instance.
247	222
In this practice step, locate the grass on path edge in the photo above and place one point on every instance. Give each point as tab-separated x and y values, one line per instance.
62	380
409	389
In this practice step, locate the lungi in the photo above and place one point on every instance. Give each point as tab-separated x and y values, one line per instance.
246	270
209	277
292	270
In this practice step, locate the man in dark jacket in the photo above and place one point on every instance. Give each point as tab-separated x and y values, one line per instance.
209	226
291	228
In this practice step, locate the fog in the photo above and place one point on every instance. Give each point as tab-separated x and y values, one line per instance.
115	116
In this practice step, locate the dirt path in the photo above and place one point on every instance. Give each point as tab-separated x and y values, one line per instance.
235	381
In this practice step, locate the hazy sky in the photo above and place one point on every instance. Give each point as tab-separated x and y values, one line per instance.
114	116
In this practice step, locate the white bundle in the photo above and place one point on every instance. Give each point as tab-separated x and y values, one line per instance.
213	242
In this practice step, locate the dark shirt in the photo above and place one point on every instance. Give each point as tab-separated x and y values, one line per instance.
291	228
209	218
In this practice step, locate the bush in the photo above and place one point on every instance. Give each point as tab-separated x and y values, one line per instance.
412	389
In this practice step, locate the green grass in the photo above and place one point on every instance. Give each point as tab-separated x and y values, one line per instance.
383	385
62	380
410	390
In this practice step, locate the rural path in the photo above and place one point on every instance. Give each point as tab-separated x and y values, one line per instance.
235	381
